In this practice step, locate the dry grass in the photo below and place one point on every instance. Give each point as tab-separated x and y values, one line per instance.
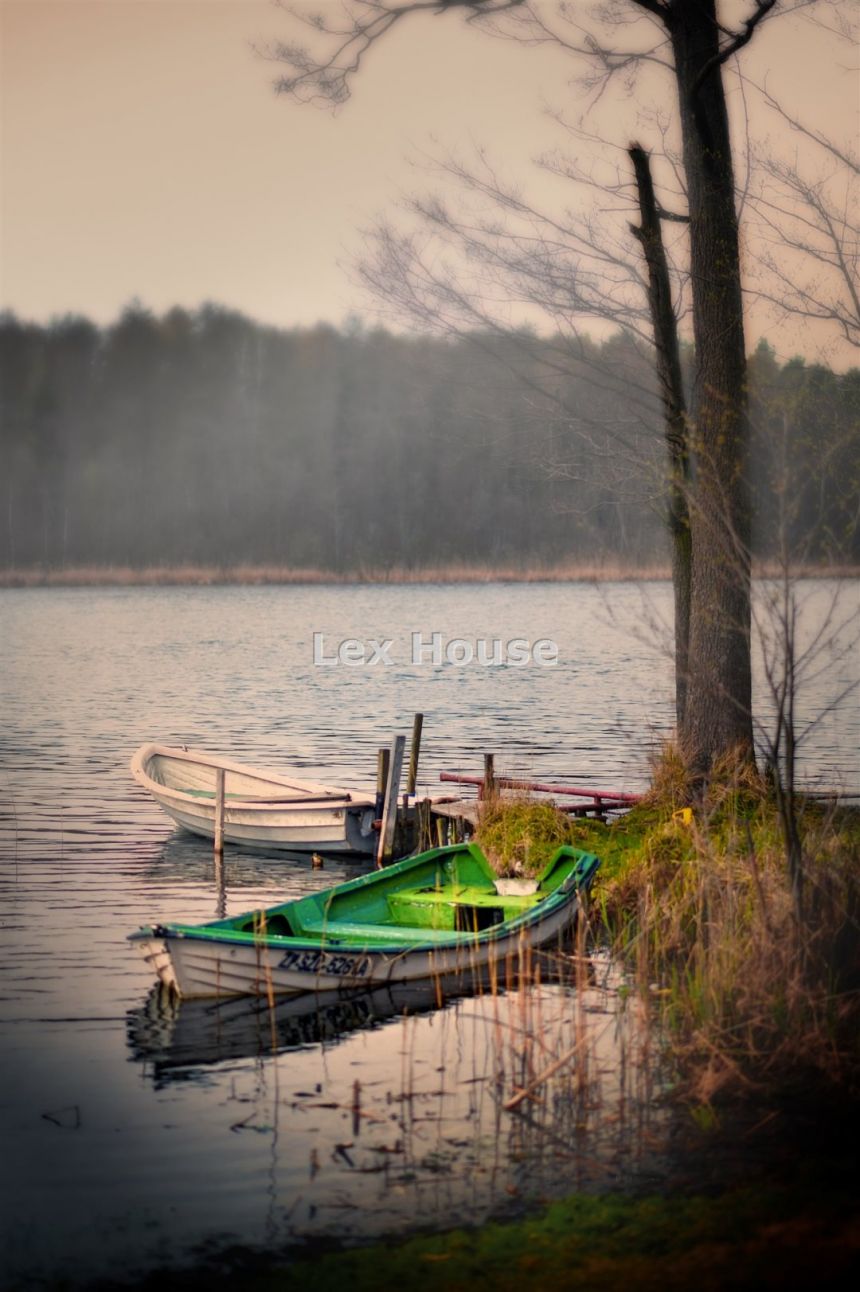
520	834
253	575
596	571
751	998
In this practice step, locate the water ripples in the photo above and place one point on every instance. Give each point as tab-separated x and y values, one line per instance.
153	1150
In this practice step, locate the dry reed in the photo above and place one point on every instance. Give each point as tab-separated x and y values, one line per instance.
263	575
248	574
751	999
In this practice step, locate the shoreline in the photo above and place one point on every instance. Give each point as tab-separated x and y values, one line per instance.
110	576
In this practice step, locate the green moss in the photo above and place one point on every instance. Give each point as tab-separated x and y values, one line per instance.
744	1238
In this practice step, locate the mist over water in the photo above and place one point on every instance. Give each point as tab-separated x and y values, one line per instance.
137	1134
208	439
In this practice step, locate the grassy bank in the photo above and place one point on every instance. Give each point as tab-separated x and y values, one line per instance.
755	997
744	1239
760	1015
752	994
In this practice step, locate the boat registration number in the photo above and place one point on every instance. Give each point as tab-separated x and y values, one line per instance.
326	962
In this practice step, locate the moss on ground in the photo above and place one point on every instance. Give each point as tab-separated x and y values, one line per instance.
739	1241
750	1238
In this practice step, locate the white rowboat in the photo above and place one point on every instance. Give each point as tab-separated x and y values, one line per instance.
263	809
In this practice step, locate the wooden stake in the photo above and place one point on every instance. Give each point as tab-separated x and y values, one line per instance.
414	751
383	761
389	810
219	811
220	887
426	838
488	788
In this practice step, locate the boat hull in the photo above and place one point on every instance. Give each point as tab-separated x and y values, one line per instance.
332	830
435	914
194	968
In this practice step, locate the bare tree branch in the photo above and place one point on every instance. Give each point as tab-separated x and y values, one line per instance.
807	229
474	267
736	42
329	80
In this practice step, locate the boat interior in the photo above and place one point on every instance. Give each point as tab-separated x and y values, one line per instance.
197	778
453	891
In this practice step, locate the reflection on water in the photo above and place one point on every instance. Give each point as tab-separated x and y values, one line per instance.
175	1039
138	1134
399	1105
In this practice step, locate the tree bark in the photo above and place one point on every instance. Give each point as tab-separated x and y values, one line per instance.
668	360
718	710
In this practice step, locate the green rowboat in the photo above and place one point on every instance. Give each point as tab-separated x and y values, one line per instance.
440	912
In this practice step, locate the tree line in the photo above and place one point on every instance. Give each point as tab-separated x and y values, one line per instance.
206	438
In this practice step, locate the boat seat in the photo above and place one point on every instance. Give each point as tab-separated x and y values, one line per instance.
514	902
464	909
269	800
356	933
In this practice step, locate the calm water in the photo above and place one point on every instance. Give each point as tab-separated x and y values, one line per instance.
137	1134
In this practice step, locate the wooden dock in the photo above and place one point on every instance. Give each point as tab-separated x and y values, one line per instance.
408	824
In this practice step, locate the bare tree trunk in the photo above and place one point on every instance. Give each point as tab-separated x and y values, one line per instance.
718	712
713	558
668	358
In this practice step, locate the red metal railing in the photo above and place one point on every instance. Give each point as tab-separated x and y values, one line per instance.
602	798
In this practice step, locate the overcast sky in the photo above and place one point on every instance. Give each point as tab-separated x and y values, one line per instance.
144	153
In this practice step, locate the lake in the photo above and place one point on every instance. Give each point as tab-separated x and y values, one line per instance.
138	1134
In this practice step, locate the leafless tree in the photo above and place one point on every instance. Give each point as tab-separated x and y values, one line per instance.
806	206
797	649
708	440
468	268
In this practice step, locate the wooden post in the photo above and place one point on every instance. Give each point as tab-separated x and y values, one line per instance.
220	887
402	842
488	788
383	760
415	750
426	837
389	810
219	811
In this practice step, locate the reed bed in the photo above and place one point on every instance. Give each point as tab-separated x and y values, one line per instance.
746	995
252	575
750	999
262	575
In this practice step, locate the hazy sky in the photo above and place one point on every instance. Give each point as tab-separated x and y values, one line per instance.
145	154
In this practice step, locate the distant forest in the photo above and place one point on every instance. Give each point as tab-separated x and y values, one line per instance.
205	438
